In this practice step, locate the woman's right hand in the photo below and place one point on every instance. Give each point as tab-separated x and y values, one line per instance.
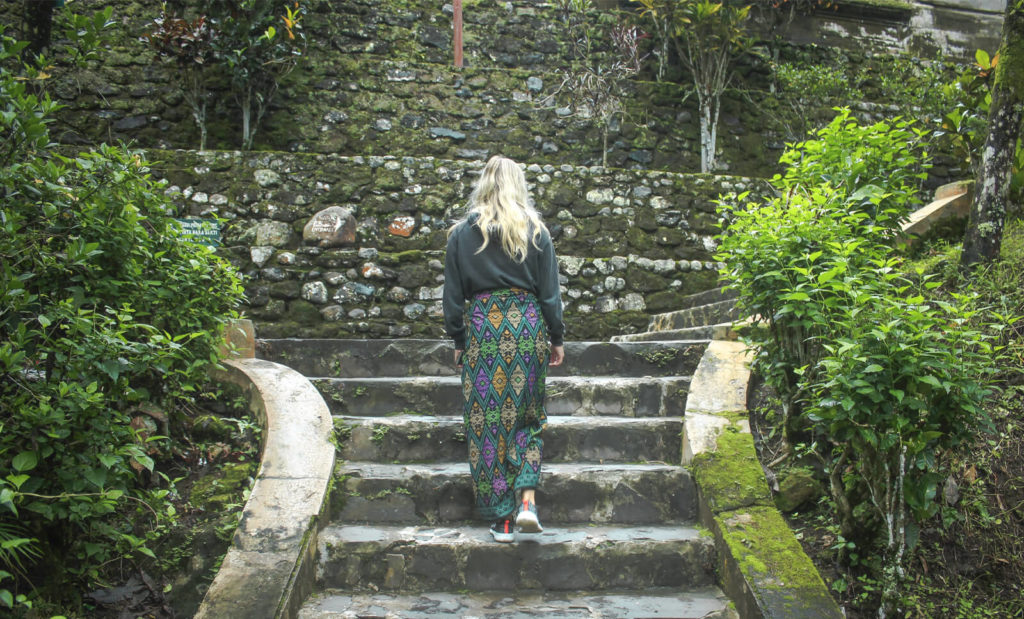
557	355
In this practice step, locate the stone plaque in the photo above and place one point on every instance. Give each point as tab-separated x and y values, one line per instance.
203	231
332	227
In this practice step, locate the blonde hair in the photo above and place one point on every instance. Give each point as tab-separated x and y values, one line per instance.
500	199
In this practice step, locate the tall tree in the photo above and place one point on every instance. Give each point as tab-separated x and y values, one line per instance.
984	234
707	36
39	23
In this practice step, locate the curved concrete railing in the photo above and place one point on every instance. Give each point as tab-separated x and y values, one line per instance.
269	569
763	568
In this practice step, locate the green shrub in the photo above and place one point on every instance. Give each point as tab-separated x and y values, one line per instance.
810	84
878	379
792	258
841	200
885	160
106	308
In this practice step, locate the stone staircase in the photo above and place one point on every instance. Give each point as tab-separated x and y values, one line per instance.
619	511
705	315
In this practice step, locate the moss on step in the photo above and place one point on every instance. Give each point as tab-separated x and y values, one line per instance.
782	577
730	477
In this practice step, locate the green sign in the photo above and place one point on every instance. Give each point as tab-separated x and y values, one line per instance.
205	231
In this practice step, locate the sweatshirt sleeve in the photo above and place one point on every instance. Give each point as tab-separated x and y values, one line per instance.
548	292
454	297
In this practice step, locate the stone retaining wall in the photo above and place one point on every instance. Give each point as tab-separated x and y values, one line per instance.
376	80
630	242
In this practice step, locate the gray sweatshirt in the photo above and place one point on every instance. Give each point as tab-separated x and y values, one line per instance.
467	273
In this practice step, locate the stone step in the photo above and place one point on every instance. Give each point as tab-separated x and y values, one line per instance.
410	357
723	331
665	336
702	315
562	558
566	395
429	438
598	494
707	297
700	603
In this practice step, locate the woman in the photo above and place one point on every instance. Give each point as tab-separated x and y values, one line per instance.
500	258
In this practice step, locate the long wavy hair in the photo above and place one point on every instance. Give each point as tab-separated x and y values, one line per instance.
501	201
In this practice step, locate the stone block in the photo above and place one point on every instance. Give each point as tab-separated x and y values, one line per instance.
333	226
765	569
239	340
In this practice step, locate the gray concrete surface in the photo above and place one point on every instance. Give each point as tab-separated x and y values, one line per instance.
268	570
670	604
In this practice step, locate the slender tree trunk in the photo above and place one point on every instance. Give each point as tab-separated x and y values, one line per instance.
196	98
604	146
246	117
893	507
716	109
984	234
707	134
38	24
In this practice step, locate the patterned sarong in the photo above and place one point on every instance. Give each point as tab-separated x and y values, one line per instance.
503	375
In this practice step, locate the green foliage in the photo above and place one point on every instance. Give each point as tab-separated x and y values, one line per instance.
190	45
902	379
964	123
782	253
707	37
105	309
816	83
83	37
259	45
840	202
570	7
879	167
930	597
876	378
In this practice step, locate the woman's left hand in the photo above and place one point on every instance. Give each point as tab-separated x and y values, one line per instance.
557	355
458	358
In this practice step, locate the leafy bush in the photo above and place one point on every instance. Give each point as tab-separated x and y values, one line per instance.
877	379
190	45
790	258
259	46
106	309
885	160
815	83
841	199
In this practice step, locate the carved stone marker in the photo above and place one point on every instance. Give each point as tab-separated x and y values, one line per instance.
332	227
204	231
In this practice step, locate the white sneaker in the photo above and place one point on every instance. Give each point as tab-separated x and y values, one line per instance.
527	520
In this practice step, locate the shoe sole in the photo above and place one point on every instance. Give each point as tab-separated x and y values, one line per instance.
503	538
527	523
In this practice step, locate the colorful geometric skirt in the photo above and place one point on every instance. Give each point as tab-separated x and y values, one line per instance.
503	375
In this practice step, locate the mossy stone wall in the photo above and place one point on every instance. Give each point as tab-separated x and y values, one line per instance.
376	120
376	80
630	242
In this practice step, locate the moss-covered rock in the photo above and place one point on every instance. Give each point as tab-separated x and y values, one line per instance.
730	477
770	563
797	487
